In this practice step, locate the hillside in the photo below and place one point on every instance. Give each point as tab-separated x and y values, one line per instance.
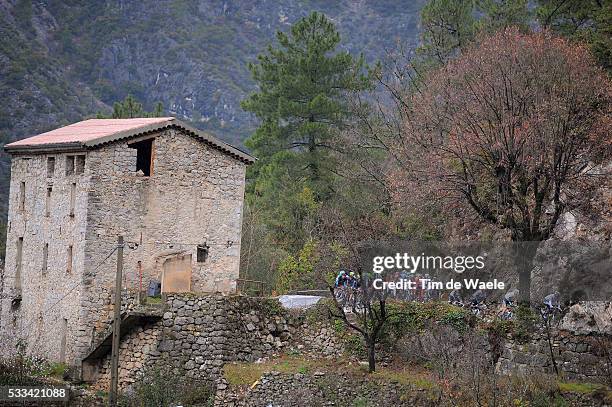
61	61
67	59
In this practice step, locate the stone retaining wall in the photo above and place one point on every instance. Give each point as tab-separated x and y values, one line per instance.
581	343
319	389
199	334
578	357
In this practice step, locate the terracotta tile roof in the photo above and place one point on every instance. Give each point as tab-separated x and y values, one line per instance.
90	133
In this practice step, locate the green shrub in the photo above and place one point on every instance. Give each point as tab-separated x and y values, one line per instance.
22	369
500	327
413	317
354	345
162	386
525	323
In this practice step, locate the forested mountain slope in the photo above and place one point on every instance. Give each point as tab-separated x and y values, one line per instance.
61	61
64	59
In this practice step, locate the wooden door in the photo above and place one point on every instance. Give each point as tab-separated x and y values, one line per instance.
177	274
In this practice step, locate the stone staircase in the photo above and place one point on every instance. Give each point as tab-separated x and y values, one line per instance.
139	315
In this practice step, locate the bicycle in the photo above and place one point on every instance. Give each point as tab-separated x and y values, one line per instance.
550	314
342	295
478	309
507	310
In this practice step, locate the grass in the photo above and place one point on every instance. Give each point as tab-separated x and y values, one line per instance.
56	370
153	300
242	373
410	378
418	379
582	388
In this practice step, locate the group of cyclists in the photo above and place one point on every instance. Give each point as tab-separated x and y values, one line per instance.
344	279
348	288
551	305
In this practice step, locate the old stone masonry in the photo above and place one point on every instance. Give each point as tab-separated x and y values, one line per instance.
197	335
172	192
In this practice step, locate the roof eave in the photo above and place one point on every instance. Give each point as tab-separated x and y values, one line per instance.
44	148
205	137
225	147
126	134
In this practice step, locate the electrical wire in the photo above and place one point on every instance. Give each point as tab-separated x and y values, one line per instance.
73	288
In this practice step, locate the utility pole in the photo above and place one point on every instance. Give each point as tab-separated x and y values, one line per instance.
112	398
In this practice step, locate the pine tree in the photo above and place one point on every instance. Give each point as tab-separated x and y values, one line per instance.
301	99
447	26
584	20
130	108
450	25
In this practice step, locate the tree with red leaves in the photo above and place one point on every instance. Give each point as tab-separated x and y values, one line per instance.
516	129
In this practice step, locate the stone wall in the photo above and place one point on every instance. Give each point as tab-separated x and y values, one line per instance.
581	346
321	389
49	309
194	196
578	357
199	334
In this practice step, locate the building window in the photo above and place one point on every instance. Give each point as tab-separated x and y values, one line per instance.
45	257
50	167
48	202
22	196
79	165
72	198
202	254
69	260
18	263
69	164
144	156
64	333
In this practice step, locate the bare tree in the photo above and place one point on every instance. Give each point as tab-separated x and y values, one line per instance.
369	308
515	130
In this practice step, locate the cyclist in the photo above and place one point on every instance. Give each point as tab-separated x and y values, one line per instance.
341	279
477	303
353	285
510	297
353	281
552	301
478	297
509	302
454	298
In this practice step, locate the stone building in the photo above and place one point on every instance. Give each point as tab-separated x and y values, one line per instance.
173	192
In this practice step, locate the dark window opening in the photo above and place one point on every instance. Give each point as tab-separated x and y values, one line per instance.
72	198
69	165
45	258
48	202
202	253
144	156
18	264
22	196
69	260
79	165
50	167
